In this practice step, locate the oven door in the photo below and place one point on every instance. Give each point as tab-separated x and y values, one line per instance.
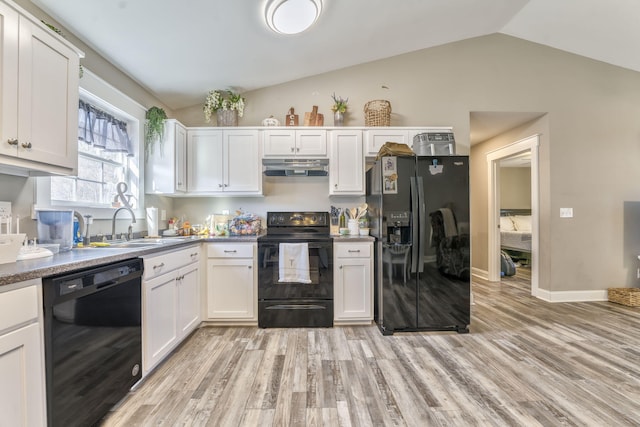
320	272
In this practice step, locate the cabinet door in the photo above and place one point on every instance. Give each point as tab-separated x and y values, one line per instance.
353	289
22	389
376	138
166	166
205	161
279	143
311	143
48	94
9	81
160	318
180	166
346	163
230	289
242	169
188	299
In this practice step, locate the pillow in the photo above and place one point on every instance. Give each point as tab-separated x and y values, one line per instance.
522	222
506	224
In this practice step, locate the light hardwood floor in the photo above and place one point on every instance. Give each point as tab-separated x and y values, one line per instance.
525	363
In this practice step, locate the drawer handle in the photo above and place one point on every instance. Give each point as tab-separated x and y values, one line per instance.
193	255
26	145
159	265
230	252
356	251
12	141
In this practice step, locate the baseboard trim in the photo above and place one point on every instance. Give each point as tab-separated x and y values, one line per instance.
573	296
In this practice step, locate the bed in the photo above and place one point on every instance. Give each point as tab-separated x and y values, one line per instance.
515	233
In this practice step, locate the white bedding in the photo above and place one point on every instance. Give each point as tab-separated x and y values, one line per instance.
516	240
515	232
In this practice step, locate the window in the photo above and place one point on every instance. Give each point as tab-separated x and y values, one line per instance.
104	151
109	133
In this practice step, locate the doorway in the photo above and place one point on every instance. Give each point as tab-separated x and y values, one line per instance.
494	159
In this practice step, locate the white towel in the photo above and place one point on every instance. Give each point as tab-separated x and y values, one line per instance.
293	263
449	222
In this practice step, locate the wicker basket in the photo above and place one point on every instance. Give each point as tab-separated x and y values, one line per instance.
377	113
625	296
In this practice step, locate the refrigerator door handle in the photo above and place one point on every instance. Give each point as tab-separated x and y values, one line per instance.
414	223
422	216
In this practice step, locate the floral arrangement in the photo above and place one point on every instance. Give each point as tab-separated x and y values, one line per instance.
339	104
216	101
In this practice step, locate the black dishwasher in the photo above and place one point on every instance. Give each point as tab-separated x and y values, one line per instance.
93	340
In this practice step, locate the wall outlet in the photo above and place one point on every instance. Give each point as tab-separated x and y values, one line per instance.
163	215
566	212
5	208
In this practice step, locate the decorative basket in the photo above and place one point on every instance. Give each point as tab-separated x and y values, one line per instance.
625	296
377	113
227	117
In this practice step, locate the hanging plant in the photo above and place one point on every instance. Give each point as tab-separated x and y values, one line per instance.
154	129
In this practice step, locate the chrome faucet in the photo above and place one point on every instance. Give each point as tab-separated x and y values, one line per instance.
113	223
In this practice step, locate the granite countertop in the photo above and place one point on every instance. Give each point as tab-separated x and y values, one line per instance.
352	238
80	258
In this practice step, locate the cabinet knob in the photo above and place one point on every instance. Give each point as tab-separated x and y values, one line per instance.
219	185
249	267
12	141
179	183
298	150
340	267
26	145
335	185
293	149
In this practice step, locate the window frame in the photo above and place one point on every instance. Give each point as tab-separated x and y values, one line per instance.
104	96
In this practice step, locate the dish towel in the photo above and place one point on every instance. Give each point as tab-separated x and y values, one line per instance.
450	228
293	263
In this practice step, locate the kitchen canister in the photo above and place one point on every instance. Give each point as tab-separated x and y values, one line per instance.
354	227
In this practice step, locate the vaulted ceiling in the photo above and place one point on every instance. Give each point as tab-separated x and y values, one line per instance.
180	50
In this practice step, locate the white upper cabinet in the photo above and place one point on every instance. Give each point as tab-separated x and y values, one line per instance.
346	162
223	162
166	167
283	143
39	91
375	138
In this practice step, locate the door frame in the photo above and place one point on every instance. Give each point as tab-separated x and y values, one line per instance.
530	143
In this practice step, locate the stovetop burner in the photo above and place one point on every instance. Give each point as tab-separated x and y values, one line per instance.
298	224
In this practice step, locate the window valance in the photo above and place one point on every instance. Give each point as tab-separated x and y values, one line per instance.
102	130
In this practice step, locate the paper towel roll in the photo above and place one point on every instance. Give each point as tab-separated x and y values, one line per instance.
152	222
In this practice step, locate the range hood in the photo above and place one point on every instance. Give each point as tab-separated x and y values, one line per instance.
295	167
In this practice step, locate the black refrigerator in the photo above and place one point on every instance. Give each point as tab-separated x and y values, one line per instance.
419	215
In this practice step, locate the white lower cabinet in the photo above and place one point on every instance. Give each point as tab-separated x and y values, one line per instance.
171	302
353	282
22	388
232	278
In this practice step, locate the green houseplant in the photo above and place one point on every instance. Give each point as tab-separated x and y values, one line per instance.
216	102
339	108
154	129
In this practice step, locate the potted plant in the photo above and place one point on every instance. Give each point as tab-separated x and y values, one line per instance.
339	108
154	129
227	109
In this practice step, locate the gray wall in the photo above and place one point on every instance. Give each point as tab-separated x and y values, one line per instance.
515	188
589	144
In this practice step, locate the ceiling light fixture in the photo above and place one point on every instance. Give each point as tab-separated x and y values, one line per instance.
292	16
